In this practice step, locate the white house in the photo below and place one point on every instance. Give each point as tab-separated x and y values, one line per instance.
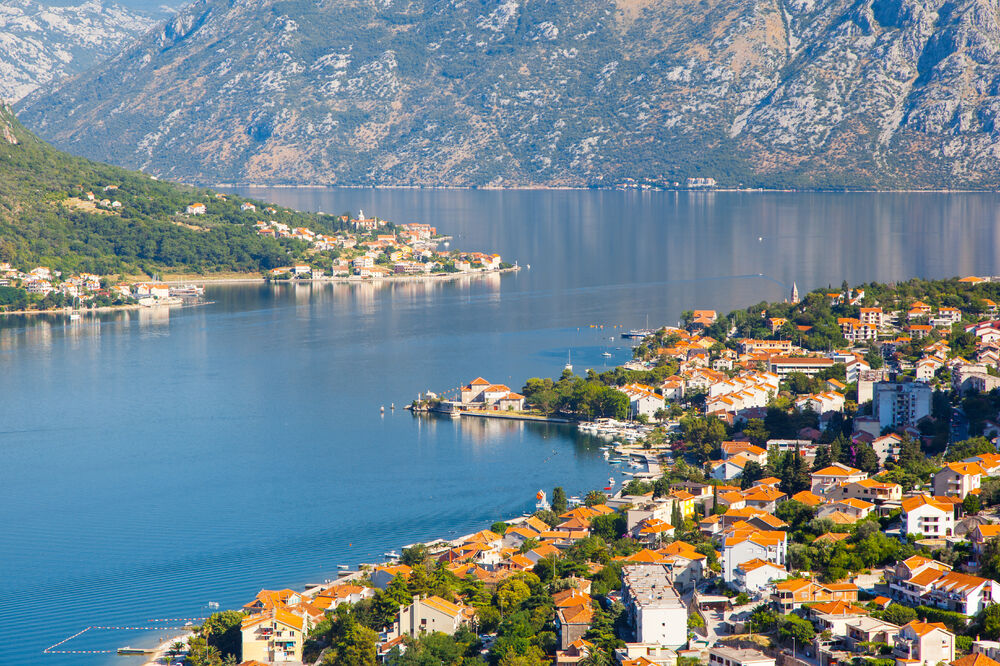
928	517
924	643
744	545
958	479
756	574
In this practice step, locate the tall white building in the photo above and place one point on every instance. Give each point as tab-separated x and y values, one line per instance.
656	610
895	404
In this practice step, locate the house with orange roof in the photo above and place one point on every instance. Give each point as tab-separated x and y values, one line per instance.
828	478
644	654
808	498
832	616
756	574
728	469
685	565
743	545
574	653
831	537
855	508
342	593
652	531
928	516
961	593
430	614
924	644
765	498
274	636
989	462
643	400
958	479
381	577
543	552
518	562
748	450
574	615
516	535
980	535
268	600
793	593
975	659
685	502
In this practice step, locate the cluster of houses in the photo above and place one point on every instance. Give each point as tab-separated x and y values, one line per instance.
42	280
658	581
408	250
83	287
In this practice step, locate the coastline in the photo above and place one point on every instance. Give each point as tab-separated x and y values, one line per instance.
158	657
437	277
341	280
585	188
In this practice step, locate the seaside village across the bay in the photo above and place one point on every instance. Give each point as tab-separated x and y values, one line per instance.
798	506
366	248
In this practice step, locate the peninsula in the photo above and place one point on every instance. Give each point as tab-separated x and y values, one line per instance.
80	234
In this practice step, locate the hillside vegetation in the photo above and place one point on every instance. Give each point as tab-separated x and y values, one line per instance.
47	219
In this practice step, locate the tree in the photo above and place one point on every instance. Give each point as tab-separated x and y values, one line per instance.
793	474
865	458
222	631
595	497
971	504
752	473
899	614
796	631
414	556
559	504
356	645
989	622
676	519
757	432
609	526
822	458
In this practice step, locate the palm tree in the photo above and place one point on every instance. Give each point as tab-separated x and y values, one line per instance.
175	648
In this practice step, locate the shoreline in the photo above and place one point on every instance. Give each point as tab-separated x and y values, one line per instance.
585	188
205	280
162	649
343	280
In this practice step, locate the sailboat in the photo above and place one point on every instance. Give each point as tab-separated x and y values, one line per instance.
569	362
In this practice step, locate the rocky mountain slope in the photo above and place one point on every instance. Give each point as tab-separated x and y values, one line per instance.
809	93
41	43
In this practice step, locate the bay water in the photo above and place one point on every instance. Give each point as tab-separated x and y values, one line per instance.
154	461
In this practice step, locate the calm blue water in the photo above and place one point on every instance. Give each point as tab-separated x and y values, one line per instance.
153	462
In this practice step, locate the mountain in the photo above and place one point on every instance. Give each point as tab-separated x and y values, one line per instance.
802	93
47	218
41	43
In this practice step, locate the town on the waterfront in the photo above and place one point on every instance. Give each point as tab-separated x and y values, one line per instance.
362	249
804	483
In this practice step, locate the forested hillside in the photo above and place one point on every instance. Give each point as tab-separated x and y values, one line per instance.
47	218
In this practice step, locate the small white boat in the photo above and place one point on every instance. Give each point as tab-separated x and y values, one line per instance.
343	566
611	480
393	554
606	354
75	316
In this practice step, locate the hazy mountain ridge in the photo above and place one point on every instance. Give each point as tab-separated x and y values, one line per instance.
876	93
42	43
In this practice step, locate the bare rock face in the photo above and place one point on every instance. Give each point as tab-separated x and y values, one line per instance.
41	43
800	93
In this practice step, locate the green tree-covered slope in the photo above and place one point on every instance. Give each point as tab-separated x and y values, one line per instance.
47	219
